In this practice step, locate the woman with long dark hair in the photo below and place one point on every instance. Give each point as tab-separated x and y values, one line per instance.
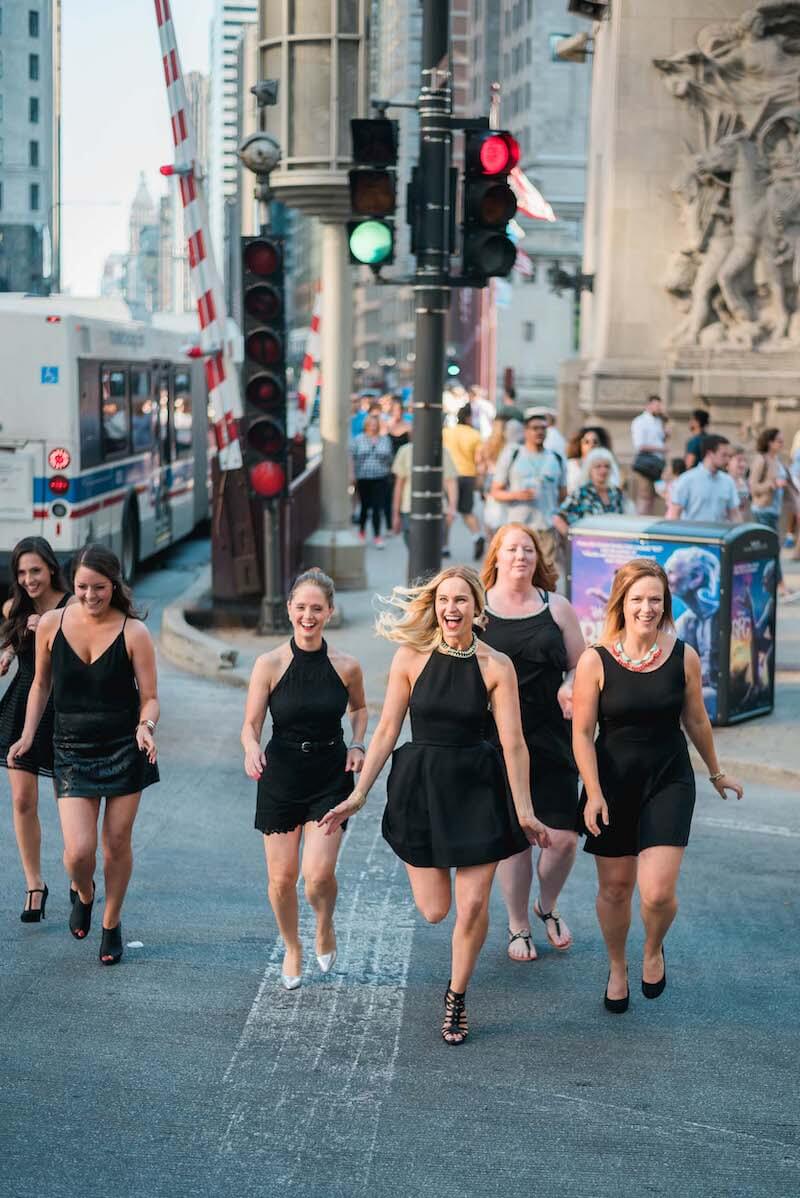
639	684
99	658
449	806
539	630
37	586
306	768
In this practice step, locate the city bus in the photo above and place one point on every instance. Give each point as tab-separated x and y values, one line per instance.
104	432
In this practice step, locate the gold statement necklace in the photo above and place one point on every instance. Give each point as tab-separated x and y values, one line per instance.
451	652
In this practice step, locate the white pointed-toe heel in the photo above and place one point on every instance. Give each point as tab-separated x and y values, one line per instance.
326	961
290	983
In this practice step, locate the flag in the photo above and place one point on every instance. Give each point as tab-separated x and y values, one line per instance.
530	201
524	264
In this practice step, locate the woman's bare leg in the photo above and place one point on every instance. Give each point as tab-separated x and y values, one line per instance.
616	877
282	850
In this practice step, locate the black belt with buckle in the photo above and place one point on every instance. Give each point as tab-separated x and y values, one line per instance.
307	746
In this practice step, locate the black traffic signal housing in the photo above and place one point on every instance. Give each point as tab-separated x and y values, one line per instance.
489	204
264	365
373	192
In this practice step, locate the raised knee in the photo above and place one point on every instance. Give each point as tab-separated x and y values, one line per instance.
433	912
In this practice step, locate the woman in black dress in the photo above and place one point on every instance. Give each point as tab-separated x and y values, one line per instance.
539	630
448	803
306	768
37	586
639	683
100	660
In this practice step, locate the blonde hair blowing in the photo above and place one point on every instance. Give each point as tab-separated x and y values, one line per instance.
625	577
414	622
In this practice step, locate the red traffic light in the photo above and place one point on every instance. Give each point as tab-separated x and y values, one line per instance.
264	391
268	479
264	346
492	153
263	302
262	257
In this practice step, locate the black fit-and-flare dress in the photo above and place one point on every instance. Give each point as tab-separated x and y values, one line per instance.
448	802
13	705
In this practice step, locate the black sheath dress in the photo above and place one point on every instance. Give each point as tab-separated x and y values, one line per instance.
304	776
643	762
535	645
97	710
448	800
39	760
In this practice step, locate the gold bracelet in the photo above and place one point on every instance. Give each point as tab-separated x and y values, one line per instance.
360	798
716	777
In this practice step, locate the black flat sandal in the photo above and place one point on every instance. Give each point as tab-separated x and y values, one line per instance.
80	917
455	1018
31	914
111	946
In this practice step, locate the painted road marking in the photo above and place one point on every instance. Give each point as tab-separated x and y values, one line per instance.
735	825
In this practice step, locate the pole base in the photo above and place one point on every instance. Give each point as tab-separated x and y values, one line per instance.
340	554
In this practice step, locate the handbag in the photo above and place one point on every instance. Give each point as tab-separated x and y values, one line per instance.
649	465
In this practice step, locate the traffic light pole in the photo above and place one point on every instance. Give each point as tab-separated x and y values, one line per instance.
431	290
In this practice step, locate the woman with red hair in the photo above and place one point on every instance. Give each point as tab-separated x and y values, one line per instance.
639	684
539	630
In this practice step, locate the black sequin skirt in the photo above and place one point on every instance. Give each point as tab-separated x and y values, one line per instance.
96	756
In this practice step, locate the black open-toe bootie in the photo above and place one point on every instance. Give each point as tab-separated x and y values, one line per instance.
111	946
80	917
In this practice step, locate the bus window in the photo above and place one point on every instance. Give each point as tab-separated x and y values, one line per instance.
89	414
182	413
143	410
114	411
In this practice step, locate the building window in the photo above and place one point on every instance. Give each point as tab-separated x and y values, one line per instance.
33	23
33	153
1	108
33	110
529	9
1	64
528	330
1	197
554	39
528	51
2	155
1	20
34	196
33	66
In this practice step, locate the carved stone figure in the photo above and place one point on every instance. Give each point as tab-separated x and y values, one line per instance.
737	275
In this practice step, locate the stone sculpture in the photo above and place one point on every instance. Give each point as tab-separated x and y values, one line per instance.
737	277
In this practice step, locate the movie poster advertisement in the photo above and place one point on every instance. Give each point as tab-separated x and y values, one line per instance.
694	579
752	664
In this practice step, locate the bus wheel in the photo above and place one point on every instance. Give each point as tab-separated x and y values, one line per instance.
130	543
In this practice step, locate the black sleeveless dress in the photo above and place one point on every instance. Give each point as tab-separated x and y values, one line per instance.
39	760
97	710
645	773
535	645
448	803
306	755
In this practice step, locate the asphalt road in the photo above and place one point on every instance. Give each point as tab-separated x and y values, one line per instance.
187	1071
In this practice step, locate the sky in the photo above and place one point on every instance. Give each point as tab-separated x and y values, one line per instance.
115	121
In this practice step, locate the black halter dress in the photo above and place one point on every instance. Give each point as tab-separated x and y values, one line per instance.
97	710
643	762
304	775
448	803
39	759
535	645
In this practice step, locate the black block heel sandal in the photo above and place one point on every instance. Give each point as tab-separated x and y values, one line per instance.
32	914
111	946
80	917
454	1028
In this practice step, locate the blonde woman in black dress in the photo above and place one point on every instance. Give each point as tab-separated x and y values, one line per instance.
639	684
37	586
306	768
448	804
100	660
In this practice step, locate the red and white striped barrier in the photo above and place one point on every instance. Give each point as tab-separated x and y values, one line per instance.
223	387
309	371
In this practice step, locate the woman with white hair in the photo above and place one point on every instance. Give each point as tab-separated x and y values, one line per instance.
596	495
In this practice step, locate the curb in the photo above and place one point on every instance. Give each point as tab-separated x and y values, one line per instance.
749	770
195	651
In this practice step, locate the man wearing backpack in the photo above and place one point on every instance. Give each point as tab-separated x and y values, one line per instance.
529	481
649	445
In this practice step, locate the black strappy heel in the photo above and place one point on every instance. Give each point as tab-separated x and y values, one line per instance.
34	914
111	946
455	1017
80	917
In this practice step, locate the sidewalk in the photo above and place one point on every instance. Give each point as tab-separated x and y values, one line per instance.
765	749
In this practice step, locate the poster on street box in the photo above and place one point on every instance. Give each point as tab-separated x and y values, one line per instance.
752	663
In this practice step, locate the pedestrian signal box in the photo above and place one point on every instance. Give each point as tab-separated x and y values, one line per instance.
373	192
489	204
264	366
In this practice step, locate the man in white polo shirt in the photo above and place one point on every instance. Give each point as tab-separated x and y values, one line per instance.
706	492
648	435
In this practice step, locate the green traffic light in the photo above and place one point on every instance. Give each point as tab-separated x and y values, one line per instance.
371	242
